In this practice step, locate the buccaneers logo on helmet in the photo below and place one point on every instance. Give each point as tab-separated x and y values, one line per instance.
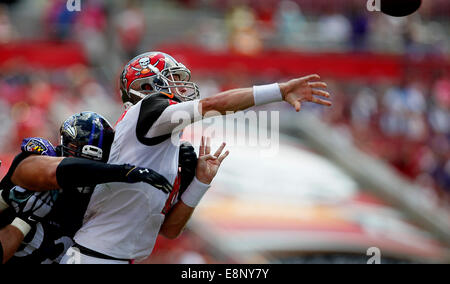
145	66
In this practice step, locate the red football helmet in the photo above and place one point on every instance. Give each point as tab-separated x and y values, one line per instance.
154	72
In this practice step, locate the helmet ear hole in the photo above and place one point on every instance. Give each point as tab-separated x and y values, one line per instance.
146	87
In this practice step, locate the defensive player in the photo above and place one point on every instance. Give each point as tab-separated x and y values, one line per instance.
86	135
160	101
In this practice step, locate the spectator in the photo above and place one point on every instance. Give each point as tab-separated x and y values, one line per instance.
59	21
360	28
244	34
130	26
334	29
290	22
6	29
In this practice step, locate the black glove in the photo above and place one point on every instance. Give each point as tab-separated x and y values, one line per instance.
32	207
187	161
137	174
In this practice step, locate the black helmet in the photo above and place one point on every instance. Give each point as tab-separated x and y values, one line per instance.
86	135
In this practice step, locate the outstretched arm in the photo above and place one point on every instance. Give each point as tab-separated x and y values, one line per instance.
43	173
207	167
173	118
294	92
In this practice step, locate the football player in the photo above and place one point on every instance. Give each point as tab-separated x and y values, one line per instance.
87	136
160	101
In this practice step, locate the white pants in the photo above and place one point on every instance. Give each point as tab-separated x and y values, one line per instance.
74	256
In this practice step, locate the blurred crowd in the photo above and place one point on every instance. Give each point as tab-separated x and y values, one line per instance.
252	26
406	123
34	104
244	26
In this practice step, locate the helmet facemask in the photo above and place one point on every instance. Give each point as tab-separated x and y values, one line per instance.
87	151
174	80
181	86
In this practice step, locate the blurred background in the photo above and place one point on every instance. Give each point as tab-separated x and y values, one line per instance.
371	171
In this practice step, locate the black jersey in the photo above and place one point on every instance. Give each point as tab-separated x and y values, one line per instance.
50	239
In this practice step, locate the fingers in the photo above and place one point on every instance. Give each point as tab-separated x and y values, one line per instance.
297	105
221	158
219	151
205	151
293	101
321	93
208	146
209	157
310	78
318	85
321	101
167	188
202	147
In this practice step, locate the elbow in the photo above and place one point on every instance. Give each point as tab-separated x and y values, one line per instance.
51	179
170	234
207	105
171	237
213	106
51	176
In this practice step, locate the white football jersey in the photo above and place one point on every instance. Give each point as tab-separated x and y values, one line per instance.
123	220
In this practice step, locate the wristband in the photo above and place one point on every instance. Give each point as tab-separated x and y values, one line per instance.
3	204
194	192
267	94
22	226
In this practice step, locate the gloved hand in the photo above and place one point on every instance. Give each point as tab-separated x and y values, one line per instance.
137	174
187	162
31	207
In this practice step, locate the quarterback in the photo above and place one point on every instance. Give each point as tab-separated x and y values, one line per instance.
123	220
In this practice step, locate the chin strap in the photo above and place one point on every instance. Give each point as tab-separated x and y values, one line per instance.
136	93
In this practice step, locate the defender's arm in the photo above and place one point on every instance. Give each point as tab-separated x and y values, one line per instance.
43	173
37	173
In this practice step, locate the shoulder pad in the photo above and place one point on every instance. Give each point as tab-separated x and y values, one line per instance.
38	146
